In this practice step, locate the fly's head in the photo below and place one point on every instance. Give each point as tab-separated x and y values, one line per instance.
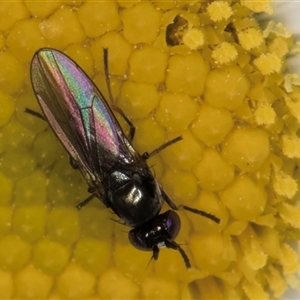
158	233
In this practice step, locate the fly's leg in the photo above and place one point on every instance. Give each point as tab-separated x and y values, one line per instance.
147	155
171	245
117	109
128	121
85	202
34	113
190	209
73	162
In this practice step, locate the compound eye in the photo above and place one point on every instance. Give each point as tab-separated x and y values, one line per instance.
137	239
172	221
156	232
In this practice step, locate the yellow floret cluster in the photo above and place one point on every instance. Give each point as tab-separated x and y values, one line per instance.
205	71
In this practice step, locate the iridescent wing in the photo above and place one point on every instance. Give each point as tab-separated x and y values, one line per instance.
79	115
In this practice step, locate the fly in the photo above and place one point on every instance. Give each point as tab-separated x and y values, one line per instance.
114	171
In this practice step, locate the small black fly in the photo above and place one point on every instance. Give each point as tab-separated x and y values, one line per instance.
115	172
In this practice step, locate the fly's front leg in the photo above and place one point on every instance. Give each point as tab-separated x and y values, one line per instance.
205	214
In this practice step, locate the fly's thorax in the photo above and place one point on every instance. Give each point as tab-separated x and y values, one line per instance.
134	196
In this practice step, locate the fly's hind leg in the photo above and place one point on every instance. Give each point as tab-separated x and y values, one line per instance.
34	113
128	121
205	214
146	155
114	107
72	161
